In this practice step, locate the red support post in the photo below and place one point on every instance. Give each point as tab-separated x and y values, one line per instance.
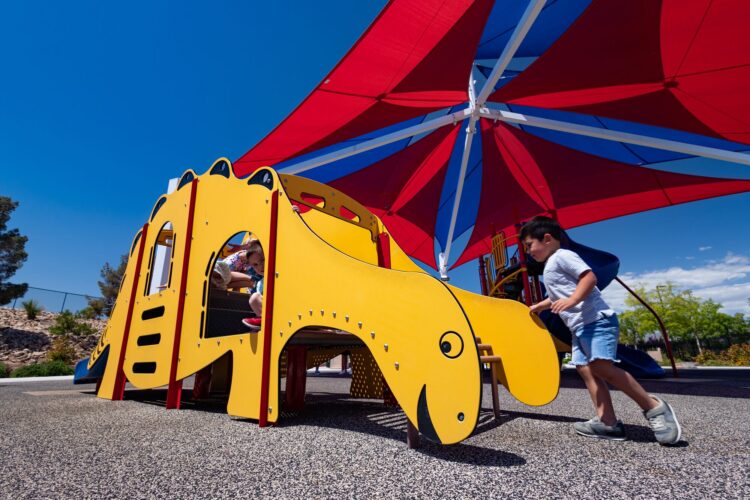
268	294
119	388
663	328
202	383
483	276
384	250
296	377
174	389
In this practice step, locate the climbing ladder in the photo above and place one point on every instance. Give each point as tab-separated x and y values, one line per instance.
487	357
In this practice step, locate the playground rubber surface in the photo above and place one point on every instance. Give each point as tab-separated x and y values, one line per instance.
58	440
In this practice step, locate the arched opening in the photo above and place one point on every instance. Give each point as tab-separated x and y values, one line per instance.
233	278
159	270
212	383
312	347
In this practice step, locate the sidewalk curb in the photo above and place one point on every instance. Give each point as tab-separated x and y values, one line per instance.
21	380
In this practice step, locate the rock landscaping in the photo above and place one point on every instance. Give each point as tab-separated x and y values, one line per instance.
24	341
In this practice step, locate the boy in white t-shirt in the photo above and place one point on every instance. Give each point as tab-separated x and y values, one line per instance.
572	293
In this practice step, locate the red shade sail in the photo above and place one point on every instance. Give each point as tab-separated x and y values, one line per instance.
670	63
680	65
414	59
524	176
404	191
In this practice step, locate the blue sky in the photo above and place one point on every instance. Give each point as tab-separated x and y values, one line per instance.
101	103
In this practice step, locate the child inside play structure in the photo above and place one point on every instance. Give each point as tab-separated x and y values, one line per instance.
572	293
256	261
232	271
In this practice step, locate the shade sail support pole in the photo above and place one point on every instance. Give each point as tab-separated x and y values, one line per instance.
420	128
444	256
475	104
614	135
518	35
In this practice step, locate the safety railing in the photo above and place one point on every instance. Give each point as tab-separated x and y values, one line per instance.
53	300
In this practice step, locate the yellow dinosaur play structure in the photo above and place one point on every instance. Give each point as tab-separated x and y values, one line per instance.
333	279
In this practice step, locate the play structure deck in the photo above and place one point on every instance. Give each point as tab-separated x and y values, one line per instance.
334	281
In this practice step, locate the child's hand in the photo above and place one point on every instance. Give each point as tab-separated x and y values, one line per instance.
561	305
540	306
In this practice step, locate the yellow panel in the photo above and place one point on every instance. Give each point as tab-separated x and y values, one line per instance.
367	379
418	330
400	261
316	357
175	212
319	286
353	240
224	207
530	370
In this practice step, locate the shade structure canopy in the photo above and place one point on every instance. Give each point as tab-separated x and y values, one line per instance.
459	117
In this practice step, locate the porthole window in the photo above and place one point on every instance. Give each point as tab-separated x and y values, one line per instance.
221	167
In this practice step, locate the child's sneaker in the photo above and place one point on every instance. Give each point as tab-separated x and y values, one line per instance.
595	428
664	422
252	323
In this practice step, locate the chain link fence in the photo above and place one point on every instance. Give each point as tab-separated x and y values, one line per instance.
53	300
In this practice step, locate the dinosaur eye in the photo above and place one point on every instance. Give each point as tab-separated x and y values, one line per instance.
451	345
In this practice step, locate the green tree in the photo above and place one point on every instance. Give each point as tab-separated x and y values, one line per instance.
12	254
688	319
109	286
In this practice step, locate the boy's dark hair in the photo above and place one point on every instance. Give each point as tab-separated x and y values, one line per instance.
540	225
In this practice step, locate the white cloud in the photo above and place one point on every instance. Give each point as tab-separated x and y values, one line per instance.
726	281
703	249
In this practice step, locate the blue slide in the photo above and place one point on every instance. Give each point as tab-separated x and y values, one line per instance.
83	375
605	266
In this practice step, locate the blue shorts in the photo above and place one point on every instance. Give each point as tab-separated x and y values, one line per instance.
597	340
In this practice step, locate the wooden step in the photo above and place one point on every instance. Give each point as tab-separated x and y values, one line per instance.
478	340
484	347
489	359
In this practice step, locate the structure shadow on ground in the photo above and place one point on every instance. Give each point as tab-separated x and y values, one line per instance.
339	411
713	382
336	411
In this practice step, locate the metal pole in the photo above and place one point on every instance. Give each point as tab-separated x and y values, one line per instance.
663	328
614	135
421	128
65	297
518	35
470	131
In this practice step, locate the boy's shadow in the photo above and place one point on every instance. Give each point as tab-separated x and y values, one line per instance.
635	433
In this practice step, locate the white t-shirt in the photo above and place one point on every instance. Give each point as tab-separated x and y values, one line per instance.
561	275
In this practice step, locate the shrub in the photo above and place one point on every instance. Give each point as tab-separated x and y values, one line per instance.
61	351
708	358
32	308
735	355
4	370
88	312
48	369
66	323
738	355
